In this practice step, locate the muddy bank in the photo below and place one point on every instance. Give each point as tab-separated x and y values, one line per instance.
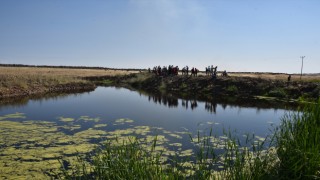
18	92
204	87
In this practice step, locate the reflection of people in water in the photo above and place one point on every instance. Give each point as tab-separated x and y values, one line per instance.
171	101
165	100
185	103
211	107
224	106
194	104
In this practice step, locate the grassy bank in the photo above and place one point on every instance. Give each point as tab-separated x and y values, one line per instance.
203	87
292	152
24	81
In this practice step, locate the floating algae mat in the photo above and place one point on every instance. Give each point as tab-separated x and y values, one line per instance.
31	149
13	116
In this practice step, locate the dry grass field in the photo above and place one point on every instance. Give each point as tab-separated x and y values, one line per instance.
274	76
35	71
294	77
16	80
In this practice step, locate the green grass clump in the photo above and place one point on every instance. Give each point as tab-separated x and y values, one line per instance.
232	89
298	144
107	82
279	93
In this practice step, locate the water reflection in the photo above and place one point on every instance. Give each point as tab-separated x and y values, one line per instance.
211	104
168	101
173	102
212	107
16	102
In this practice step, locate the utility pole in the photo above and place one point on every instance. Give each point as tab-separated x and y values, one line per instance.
302	57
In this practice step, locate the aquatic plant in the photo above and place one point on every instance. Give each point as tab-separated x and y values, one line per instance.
30	149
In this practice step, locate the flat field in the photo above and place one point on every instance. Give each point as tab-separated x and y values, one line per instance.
280	76
66	72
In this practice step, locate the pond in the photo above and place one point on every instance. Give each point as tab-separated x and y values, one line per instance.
36	133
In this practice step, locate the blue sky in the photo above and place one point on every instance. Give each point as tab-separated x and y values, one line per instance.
235	35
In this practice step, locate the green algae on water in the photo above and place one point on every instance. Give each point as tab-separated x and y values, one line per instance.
100	125
87	118
64	119
16	115
30	148
123	121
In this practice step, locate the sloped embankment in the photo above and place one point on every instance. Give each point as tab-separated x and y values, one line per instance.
204	86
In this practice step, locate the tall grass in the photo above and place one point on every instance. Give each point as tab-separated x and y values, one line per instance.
298	144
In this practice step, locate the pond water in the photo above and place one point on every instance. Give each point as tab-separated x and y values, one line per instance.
35	134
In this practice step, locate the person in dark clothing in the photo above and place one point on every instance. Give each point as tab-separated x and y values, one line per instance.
289	79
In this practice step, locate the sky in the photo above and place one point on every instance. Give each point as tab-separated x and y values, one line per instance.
235	35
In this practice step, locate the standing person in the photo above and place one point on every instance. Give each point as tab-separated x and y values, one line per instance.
215	70
214	75
289	79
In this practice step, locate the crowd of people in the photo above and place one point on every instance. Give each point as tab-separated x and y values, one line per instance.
164	71
211	70
174	70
